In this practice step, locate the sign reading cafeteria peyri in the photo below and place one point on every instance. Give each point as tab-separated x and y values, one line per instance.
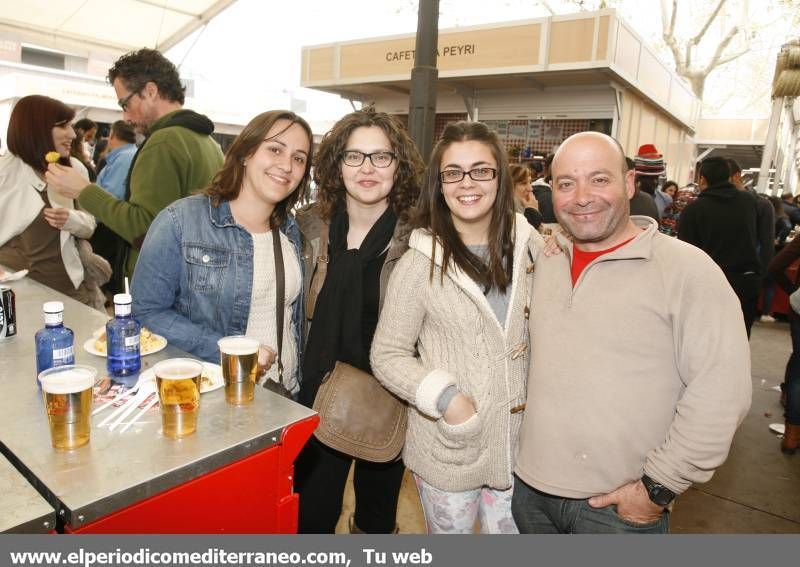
510	46
449	51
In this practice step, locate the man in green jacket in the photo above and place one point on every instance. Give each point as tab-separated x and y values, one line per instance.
177	157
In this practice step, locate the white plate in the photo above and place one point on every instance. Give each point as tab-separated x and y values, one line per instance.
88	346
211	371
779	428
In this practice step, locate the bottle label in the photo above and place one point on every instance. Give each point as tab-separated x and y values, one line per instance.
122	309
53	318
132	342
63	355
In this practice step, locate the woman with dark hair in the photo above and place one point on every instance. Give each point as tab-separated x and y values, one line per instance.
40	227
670	188
78	151
84	143
453	334
526	203
208	268
367	174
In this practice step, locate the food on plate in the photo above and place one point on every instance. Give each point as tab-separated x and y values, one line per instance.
52	157
205	380
148	341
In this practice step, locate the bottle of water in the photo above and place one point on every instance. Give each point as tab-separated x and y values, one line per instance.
122	341
55	344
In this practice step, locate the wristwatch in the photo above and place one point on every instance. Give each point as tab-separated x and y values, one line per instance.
657	492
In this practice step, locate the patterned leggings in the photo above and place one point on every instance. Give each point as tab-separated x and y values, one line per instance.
456	512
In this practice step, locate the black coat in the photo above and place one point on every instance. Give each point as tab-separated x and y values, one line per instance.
722	222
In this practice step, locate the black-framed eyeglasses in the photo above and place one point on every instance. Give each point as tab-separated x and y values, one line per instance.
477	174
354	158
123	102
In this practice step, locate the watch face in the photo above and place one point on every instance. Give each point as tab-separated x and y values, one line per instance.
658	493
661	495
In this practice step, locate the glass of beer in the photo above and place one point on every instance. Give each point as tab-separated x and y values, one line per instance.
239	361
178	384
67	394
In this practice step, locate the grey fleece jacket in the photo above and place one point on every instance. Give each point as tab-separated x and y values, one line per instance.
642	366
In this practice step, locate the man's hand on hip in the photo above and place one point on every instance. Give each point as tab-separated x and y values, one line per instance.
66	180
633	503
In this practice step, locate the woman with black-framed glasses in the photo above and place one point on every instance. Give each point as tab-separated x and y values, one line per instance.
367	173
453	334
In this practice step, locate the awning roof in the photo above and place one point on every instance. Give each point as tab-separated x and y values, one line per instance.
117	25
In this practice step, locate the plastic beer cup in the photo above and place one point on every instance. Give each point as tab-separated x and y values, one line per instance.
178	385
67	394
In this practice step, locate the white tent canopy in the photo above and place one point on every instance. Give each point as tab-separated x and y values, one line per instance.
78	26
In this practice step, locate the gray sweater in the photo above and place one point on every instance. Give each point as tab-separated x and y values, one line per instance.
434	334
643	366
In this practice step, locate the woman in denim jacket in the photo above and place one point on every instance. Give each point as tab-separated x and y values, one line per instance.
207	267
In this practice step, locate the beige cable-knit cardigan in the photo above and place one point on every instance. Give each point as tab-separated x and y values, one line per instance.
433	334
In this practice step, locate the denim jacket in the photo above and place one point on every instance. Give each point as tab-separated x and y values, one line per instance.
194	277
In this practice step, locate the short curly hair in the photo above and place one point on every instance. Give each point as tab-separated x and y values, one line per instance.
328	165
137	68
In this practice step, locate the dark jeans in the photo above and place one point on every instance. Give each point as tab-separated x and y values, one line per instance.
746	287
320	479
538	513
769	295
792	377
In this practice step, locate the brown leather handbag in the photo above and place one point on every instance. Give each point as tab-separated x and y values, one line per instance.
358	416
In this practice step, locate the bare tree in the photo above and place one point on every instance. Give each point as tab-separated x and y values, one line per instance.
683	53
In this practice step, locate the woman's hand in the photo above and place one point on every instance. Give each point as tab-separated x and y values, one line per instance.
459	410
266	358
57	217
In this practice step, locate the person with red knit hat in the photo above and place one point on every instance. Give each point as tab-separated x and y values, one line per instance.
650	167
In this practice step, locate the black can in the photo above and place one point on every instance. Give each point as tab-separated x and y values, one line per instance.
8	314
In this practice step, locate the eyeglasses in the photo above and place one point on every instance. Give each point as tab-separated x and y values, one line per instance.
355	158
477	174
123	102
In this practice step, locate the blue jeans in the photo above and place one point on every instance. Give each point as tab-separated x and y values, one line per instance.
538	513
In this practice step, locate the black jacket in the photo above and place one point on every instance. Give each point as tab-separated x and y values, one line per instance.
544	195
722	222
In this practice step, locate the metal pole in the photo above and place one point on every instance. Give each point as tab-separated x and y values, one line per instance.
422	103
769	148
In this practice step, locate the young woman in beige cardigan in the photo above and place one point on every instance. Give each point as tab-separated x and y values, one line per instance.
452	337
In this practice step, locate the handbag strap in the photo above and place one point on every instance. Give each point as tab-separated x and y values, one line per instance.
323	259
319	272
280	285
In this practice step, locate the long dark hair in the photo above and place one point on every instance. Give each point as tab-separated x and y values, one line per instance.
30	129
434	215
227	183
328	167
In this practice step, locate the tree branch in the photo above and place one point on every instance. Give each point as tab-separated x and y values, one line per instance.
716	59
696	39
669	33
730	58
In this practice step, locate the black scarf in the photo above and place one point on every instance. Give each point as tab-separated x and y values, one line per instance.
338	331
